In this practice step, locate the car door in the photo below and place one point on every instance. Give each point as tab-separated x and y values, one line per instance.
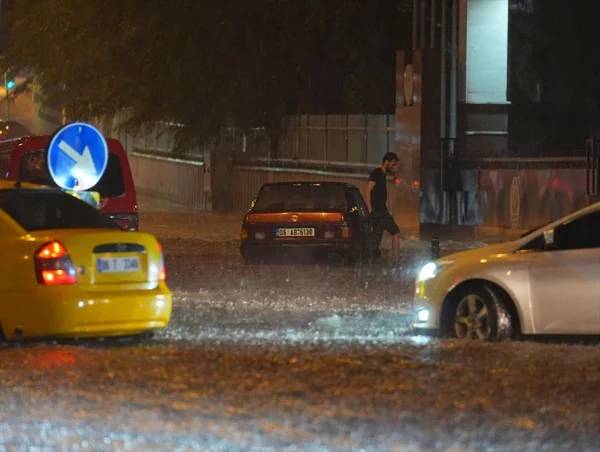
565	278
358	212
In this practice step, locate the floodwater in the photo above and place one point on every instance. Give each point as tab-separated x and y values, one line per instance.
293	355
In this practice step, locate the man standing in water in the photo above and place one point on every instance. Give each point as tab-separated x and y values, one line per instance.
376	198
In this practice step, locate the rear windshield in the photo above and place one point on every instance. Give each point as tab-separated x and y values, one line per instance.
46	209
301	197
34	169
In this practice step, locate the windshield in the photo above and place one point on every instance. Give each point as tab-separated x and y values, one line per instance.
301	197
35	170
45	209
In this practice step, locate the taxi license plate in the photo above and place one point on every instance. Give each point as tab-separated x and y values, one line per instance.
118	264
295	232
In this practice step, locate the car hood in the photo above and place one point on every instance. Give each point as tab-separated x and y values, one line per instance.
494	251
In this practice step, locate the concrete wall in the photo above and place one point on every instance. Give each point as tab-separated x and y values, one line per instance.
180	182
526	198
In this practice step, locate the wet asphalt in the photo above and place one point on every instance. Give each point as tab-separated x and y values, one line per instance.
295	355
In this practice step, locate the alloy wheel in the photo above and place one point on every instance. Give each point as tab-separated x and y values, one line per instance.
472	320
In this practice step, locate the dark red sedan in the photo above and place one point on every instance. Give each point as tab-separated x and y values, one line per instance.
329	218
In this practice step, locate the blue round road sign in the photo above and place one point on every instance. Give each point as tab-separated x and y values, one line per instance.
77	156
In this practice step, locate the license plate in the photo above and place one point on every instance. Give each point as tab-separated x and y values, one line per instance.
295	232
118	264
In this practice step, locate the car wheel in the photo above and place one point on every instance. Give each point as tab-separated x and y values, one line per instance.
480	313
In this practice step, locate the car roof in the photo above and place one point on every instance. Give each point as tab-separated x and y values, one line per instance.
35	142
314	183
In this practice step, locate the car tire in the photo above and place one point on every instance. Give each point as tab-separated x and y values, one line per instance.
478	311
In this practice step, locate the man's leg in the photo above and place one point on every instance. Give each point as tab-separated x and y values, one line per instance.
375	237
396	245
394	230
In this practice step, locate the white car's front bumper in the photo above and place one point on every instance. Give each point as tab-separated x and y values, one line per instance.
427	305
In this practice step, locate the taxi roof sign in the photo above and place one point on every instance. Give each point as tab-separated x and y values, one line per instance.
77	156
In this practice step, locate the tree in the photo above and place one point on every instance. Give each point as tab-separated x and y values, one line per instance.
208	64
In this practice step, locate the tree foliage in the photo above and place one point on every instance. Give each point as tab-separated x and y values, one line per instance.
207	64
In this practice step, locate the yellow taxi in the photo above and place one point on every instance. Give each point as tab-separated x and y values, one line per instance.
68	271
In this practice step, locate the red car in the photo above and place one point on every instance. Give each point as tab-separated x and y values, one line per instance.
116	189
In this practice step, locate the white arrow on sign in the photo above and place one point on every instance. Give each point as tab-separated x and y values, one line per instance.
84	169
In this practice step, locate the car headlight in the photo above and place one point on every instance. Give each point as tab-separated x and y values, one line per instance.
423	315
431	269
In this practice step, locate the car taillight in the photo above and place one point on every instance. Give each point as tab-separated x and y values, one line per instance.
126	221
53	265
162	272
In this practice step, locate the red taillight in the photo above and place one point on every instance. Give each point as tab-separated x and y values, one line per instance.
346	232
53	265
52	250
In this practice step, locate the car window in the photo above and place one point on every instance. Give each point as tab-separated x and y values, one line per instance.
48	209
536	244
583	232
357	202
111	183
35	170
301	197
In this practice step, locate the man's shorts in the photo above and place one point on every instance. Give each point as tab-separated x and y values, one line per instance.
383	221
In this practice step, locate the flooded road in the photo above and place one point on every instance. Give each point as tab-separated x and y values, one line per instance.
294	356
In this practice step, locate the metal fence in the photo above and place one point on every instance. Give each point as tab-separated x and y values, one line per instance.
313	140
156	139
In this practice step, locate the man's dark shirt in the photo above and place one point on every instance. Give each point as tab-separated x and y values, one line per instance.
379	192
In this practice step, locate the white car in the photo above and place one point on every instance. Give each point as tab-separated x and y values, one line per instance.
546	282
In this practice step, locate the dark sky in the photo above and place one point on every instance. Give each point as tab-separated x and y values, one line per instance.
554	73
